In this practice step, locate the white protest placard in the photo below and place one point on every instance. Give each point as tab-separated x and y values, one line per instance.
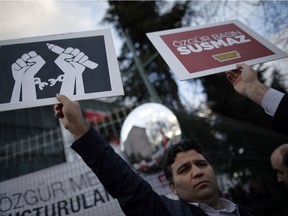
79	65
65	189
193	52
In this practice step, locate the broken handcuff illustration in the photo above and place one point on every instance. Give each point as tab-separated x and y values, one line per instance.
29	61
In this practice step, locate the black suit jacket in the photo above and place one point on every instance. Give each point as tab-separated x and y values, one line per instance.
135	196
280	119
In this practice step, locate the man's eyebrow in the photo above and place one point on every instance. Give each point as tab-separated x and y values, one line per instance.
187	163
201	160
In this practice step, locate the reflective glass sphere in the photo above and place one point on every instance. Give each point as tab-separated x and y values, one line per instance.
146	133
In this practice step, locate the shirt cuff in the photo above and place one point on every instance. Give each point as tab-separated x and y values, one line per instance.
271	101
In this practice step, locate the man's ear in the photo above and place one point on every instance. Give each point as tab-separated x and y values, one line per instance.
172	187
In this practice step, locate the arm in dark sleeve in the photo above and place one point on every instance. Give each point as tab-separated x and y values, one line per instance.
135	196
280	119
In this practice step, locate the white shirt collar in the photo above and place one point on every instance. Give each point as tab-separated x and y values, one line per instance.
229	207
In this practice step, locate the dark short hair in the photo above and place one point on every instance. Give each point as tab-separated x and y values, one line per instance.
182	146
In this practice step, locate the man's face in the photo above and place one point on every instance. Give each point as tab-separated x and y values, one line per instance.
194	178
280	169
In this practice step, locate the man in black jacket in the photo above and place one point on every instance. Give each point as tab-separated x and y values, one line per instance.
275	103
189	174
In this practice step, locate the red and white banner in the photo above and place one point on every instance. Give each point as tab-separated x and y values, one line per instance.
199	51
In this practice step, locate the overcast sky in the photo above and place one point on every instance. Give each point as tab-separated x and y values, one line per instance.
34	18
21	19
24	18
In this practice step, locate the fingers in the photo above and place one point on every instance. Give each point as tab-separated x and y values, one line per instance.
68	50
232	77
83	59
58	108
233	73
229	77
32	54
58	111
21	62
65	105
16	67
78	56
236	71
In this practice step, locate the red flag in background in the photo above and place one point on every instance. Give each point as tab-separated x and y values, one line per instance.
93	116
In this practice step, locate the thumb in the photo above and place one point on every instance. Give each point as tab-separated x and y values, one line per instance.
62	99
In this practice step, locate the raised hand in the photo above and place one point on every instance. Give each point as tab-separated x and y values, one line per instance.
246	82
71	63
242	78
23	72
71	116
